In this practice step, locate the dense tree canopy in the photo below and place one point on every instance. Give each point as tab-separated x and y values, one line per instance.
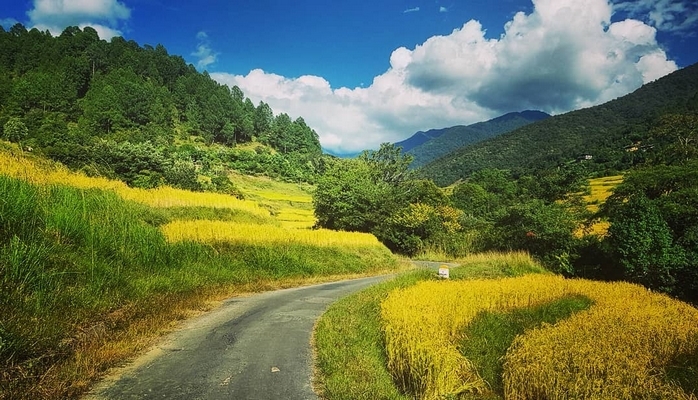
74	91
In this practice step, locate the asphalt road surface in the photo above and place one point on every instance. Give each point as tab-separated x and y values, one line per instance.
255	347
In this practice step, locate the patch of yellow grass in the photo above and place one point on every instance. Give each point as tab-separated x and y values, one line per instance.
601	188
290	203
616	349
46	173
221	231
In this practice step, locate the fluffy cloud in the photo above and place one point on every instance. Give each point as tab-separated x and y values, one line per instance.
103	15
565	55
204	54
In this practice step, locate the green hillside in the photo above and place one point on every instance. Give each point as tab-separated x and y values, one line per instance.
602	132
453	138
136	113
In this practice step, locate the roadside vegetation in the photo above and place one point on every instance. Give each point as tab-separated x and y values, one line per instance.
89	277
643	333
641	229
351	360
495	332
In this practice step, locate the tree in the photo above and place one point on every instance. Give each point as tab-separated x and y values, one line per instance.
390	164
678	136
544	230
15	130
263	119
641	245
411	228
653	238
473	199
346	198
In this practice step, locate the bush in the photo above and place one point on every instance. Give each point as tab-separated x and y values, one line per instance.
543	230
15	130
641	244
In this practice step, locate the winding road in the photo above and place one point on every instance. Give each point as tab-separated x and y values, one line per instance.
255	347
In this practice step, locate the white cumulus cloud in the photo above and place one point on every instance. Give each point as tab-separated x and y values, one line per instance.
103	15
564	55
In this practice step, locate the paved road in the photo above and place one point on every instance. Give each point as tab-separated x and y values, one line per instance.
255	347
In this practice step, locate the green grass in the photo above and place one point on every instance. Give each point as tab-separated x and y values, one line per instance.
81	268
162	216
489	336
350	356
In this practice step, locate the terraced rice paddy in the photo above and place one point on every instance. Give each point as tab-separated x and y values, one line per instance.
627	345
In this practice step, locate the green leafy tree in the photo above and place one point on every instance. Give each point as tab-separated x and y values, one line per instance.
544	230
182	174
677	135
410	229
263	119
655	210
390	164
346	198
15	130
641	244
473	199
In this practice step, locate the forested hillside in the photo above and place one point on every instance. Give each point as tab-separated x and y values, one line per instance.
137	113
428	146
614	134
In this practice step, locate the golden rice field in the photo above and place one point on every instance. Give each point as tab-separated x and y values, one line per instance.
221	231
600	189
617	349
46	173
291	204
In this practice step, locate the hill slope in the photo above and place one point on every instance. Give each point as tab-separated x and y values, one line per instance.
426	147
601	131
420	138
137	113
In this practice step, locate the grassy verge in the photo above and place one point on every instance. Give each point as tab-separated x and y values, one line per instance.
490	335
350	351
350	358
87	279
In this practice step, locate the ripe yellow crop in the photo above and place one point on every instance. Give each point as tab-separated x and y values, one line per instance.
221	231
616	349
55	174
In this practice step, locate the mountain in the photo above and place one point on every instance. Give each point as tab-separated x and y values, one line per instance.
428	146
351	154
601	133
420	138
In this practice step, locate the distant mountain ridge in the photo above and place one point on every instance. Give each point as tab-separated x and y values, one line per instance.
435	143
420	138
601	133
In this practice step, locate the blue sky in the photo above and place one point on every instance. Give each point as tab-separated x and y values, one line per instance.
361	73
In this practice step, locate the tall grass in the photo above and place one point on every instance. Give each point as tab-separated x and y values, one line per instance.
222	231
78	266
490	334
42	172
